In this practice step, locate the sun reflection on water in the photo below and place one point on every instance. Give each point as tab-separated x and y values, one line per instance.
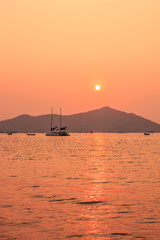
96	209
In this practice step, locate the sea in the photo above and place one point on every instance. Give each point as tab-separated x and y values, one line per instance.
83	186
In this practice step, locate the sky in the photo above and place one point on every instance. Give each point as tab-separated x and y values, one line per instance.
54	52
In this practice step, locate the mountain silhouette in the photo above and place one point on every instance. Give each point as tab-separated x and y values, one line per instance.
104	119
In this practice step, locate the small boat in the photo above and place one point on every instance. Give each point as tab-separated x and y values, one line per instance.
53	131
10	133
31	134
146	133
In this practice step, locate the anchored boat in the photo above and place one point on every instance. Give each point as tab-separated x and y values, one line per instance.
55	131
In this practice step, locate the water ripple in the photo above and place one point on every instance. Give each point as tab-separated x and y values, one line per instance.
90	202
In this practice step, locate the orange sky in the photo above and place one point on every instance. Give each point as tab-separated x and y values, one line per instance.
53	52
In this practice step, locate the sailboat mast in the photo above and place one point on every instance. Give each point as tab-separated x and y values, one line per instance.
51	116
60	119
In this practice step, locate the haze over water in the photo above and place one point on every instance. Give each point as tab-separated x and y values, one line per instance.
86	186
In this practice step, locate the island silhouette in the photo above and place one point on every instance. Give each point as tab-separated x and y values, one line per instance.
102	120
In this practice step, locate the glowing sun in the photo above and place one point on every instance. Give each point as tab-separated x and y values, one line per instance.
97	87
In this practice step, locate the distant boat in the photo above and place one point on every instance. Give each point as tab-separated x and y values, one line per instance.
146	133
53	131
10	133
31	134
63	131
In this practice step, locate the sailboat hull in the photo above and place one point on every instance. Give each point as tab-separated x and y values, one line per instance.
64	134
52	134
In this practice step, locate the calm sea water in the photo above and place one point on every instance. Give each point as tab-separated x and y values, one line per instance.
86	186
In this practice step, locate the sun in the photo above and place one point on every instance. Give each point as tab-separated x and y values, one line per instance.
97	87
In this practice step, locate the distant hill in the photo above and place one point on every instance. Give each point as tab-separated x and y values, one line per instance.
104	119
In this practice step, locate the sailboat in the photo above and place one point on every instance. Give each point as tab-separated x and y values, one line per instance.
53	131
63	131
